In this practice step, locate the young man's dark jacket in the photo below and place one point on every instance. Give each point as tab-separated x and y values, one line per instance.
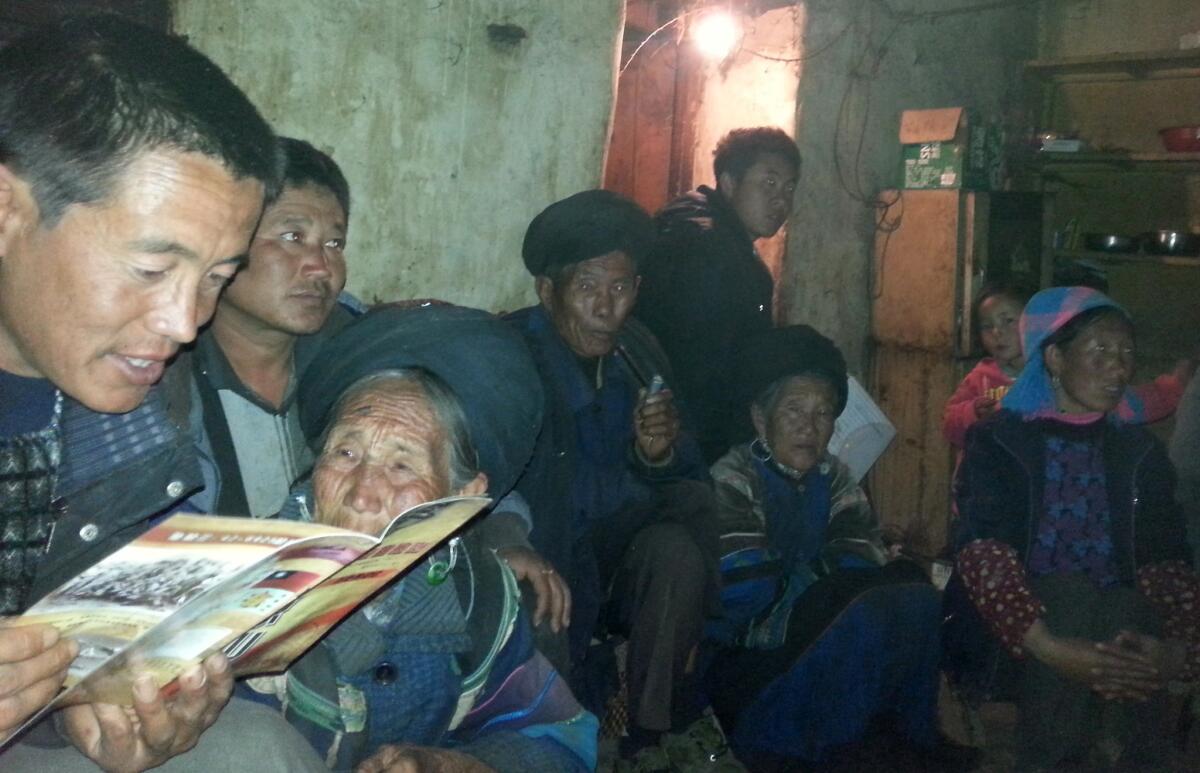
704	289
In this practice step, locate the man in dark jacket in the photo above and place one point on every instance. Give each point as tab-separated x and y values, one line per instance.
132	173
613	481
704	286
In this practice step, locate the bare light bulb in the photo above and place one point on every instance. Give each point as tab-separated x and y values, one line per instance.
716	33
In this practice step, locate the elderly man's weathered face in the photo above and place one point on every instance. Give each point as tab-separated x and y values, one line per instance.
385	453
297	267
590	304
800	422
99	301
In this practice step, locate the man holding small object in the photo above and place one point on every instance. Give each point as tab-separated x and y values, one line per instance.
615	486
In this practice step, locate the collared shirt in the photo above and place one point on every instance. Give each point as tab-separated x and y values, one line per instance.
259	449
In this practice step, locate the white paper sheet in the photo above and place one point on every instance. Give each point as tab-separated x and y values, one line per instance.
862	433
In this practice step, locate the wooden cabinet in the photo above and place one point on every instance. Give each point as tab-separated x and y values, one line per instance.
933	248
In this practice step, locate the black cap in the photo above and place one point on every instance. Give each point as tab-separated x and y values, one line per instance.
585	226
782	352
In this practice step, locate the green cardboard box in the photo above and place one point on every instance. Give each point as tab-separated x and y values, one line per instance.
946	148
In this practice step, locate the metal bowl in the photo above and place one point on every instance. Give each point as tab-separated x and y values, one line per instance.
1109	243
1171	243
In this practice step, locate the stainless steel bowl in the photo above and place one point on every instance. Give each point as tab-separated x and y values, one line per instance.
1171	243
1109	243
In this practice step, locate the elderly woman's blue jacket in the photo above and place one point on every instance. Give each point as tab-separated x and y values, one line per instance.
447	664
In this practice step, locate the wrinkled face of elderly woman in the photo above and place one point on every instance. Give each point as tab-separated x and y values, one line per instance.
386	452
798	421
1094	367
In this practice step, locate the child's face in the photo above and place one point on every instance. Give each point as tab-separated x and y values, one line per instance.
998	317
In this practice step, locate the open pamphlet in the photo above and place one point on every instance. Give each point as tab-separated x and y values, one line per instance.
261	590
862	433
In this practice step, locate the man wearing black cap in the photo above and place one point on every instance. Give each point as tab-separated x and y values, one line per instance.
612	484
706	289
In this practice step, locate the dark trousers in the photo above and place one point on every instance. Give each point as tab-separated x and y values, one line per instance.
653	574
658	601
1059	718
737	676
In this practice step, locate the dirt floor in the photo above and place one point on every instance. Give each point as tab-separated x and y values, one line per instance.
994	727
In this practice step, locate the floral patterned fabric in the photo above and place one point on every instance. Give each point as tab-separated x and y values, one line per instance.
999	588
1174	588
1073	534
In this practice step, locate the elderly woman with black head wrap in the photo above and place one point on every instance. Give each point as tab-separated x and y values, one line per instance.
822	634
438	671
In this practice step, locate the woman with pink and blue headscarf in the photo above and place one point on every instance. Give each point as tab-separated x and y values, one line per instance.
1072	586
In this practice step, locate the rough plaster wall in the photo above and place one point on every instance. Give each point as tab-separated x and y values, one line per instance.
1083	27
451	142
862	68
751	90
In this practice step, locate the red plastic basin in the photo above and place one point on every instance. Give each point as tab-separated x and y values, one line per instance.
1181	139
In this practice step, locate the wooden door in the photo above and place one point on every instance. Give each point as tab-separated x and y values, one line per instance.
929	251
650	153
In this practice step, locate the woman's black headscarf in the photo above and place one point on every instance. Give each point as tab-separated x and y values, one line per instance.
779	353
482	359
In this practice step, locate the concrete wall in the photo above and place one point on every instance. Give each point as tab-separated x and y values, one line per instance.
861	68
452	138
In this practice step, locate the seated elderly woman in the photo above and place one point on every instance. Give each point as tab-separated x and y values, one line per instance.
438	671
1071	588
822	634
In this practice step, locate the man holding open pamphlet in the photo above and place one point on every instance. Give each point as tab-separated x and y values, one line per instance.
132	173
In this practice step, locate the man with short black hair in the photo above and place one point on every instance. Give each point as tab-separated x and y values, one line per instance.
132	173
704	287
270	323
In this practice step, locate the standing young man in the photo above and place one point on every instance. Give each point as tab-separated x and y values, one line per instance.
704	287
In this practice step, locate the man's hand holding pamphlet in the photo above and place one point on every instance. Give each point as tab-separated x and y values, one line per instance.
261	591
